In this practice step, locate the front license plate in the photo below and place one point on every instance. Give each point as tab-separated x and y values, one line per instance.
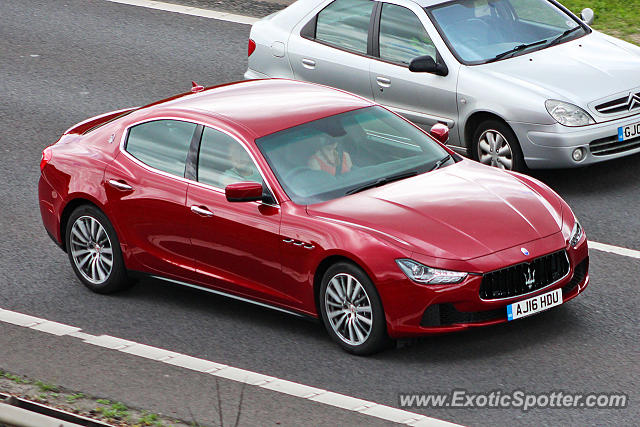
534	305
628	132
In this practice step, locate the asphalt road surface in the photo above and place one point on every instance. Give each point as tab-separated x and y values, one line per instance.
63	61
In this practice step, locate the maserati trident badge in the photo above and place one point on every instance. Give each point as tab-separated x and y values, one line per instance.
529	277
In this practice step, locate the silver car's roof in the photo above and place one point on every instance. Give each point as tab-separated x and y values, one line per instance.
421	3
427	3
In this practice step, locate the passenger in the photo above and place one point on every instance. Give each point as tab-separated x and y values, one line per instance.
327	158
243	168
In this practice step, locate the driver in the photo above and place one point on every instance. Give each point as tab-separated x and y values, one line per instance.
330	159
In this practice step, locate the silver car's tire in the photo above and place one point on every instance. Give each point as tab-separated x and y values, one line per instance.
351	310
495	144
94	251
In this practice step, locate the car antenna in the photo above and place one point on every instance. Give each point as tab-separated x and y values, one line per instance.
195	87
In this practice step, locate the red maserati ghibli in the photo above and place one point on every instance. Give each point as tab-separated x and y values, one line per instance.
312	201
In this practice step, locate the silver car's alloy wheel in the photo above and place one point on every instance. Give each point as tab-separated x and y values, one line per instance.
91	249
348	309
494	150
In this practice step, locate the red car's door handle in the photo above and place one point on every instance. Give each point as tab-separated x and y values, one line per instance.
119	185
199	210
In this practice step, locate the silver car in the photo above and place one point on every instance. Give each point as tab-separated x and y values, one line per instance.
519	83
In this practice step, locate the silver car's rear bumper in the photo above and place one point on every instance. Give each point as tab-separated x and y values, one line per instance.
551	146
253	75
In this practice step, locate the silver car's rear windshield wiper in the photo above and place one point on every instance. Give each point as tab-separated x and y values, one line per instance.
563	35
516	49
382	181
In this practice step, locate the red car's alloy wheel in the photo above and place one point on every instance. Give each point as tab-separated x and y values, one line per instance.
91	249
94	251
348	309
351	310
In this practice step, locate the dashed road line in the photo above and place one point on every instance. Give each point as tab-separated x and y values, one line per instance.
631	253
208	367
187	10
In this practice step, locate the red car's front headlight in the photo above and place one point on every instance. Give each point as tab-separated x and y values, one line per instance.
429	276
576	234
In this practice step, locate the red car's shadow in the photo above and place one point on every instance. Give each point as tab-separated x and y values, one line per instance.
227	320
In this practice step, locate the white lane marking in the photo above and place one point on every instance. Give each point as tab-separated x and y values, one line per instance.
187	10
19	319
55	328
208	367
632	253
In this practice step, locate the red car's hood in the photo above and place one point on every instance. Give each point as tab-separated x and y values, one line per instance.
462	211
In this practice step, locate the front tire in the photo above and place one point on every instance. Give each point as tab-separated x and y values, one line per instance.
94	251
495	144
351	310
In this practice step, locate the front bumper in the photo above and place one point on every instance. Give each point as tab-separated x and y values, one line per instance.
429	310
551	146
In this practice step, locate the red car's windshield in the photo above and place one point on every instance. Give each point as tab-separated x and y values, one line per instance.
341	154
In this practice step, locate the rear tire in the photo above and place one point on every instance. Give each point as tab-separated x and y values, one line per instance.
495	144
351	310
94	251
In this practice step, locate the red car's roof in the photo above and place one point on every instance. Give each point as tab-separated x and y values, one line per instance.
267	106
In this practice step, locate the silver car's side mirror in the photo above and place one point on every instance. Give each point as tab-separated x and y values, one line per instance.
587	15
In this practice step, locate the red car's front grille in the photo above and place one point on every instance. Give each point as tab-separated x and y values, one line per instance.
524	278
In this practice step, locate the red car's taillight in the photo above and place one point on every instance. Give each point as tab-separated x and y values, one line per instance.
252	47
47	154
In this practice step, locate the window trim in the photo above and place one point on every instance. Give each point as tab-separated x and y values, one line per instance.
309	31
376	38
190	155
126	143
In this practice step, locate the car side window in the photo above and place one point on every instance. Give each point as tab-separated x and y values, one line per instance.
161	144
223	161
345	24
402	36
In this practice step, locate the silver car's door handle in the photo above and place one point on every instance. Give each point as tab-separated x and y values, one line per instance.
119	185
383	81
201	211
309	63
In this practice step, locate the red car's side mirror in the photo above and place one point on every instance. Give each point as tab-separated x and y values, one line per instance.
440	132
243	192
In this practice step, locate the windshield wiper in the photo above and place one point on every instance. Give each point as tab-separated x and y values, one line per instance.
382	181
563	35
516	49
440	162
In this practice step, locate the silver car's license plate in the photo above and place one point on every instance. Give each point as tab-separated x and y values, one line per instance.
628	132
